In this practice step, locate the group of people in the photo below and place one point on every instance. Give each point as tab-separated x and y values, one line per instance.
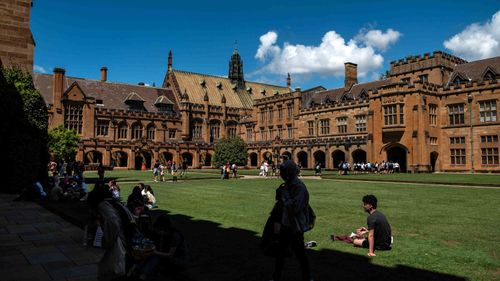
383	167
268	170
227	169
66	181
137	248
160	169
291	217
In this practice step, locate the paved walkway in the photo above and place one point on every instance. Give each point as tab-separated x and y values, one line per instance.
36	244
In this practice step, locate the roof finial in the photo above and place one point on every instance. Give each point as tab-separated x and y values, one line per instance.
236	45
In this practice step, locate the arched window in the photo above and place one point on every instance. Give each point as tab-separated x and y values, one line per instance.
196	130
122	131
214	130
151	132
136	131
231	129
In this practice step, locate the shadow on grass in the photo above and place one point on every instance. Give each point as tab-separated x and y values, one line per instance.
223	254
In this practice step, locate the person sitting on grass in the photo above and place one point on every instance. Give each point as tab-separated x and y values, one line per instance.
150	197
379	229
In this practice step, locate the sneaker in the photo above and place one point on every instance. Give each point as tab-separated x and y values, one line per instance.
333	237
311	244
353	235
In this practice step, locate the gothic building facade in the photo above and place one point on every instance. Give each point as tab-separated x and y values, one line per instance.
435	112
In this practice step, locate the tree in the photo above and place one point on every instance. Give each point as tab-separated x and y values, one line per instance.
63	143
233	150
23	127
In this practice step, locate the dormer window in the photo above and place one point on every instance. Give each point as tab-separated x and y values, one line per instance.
406	80
99	103
164	105
328	100
135	102
489	76
363	95
457	81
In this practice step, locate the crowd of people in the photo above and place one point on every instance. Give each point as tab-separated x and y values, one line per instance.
161	169
383	167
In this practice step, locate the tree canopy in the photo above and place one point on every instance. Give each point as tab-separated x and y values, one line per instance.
233	150
63	143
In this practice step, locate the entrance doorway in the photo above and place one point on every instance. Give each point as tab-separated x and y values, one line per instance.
338	157
434	157
302	156
397	154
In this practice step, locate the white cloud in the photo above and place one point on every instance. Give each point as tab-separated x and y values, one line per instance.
477	41
327	58
378	39
40	69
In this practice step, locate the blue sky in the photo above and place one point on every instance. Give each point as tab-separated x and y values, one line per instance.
309	39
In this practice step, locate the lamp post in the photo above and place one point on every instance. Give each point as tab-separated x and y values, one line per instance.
469	99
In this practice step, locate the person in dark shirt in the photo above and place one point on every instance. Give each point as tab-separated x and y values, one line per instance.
378	230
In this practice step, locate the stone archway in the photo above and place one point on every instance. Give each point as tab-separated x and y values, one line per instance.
268	156
397	153
142	157
119	159
254	159
205	159
302	159
166	156
320	157
92	157
286	155
434	158
338	156
188	157
359	156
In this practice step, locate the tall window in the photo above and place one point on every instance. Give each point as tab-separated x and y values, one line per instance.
457	156
102	128
136	131
289	109
197	130
171	134
456	114
433	140
122	131
488	111
424	78
342	124
249	133
325	126
432	114
290	132
310	128
489	156
361	123
73	117
151	132
280	113
280	132
391	114
269	115
214	131
231	131
262	114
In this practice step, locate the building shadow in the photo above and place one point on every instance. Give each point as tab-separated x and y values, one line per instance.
221	254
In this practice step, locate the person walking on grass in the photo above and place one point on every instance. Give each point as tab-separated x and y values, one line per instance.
294	199
378	230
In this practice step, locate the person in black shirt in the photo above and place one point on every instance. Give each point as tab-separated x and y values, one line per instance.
378	230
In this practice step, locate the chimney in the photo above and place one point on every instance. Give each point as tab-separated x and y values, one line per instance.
104	74
351	74
289	81
57	87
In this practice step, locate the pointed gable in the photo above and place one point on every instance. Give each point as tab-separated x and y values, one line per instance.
74	93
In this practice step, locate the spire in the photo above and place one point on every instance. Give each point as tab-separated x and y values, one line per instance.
236	68
289	81
170	61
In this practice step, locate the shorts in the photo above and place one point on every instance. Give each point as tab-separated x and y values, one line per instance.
155	171
377	247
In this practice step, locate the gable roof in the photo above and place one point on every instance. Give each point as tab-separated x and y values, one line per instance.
112	95
475	70
216	87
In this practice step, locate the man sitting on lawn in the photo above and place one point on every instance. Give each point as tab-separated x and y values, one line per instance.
379	230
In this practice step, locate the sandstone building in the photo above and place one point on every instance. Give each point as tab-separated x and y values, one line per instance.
435	112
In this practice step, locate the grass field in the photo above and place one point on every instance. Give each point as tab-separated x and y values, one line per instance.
441	233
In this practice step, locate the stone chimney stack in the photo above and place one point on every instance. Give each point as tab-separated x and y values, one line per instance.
104	74
351	74
57	92
289	81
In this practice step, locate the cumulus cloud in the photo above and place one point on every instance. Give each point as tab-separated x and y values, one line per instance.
40	69
328	57
477	41
378	39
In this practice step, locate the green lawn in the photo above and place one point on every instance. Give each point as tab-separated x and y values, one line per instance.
450	230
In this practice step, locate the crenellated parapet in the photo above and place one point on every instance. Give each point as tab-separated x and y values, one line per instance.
418	63
121	113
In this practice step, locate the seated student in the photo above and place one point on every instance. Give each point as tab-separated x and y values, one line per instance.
150	197
170	255
115	189
135	195
379	230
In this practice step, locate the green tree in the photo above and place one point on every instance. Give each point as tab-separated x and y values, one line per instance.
233	150
23	127
63	143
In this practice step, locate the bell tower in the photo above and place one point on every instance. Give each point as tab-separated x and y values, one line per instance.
236	69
